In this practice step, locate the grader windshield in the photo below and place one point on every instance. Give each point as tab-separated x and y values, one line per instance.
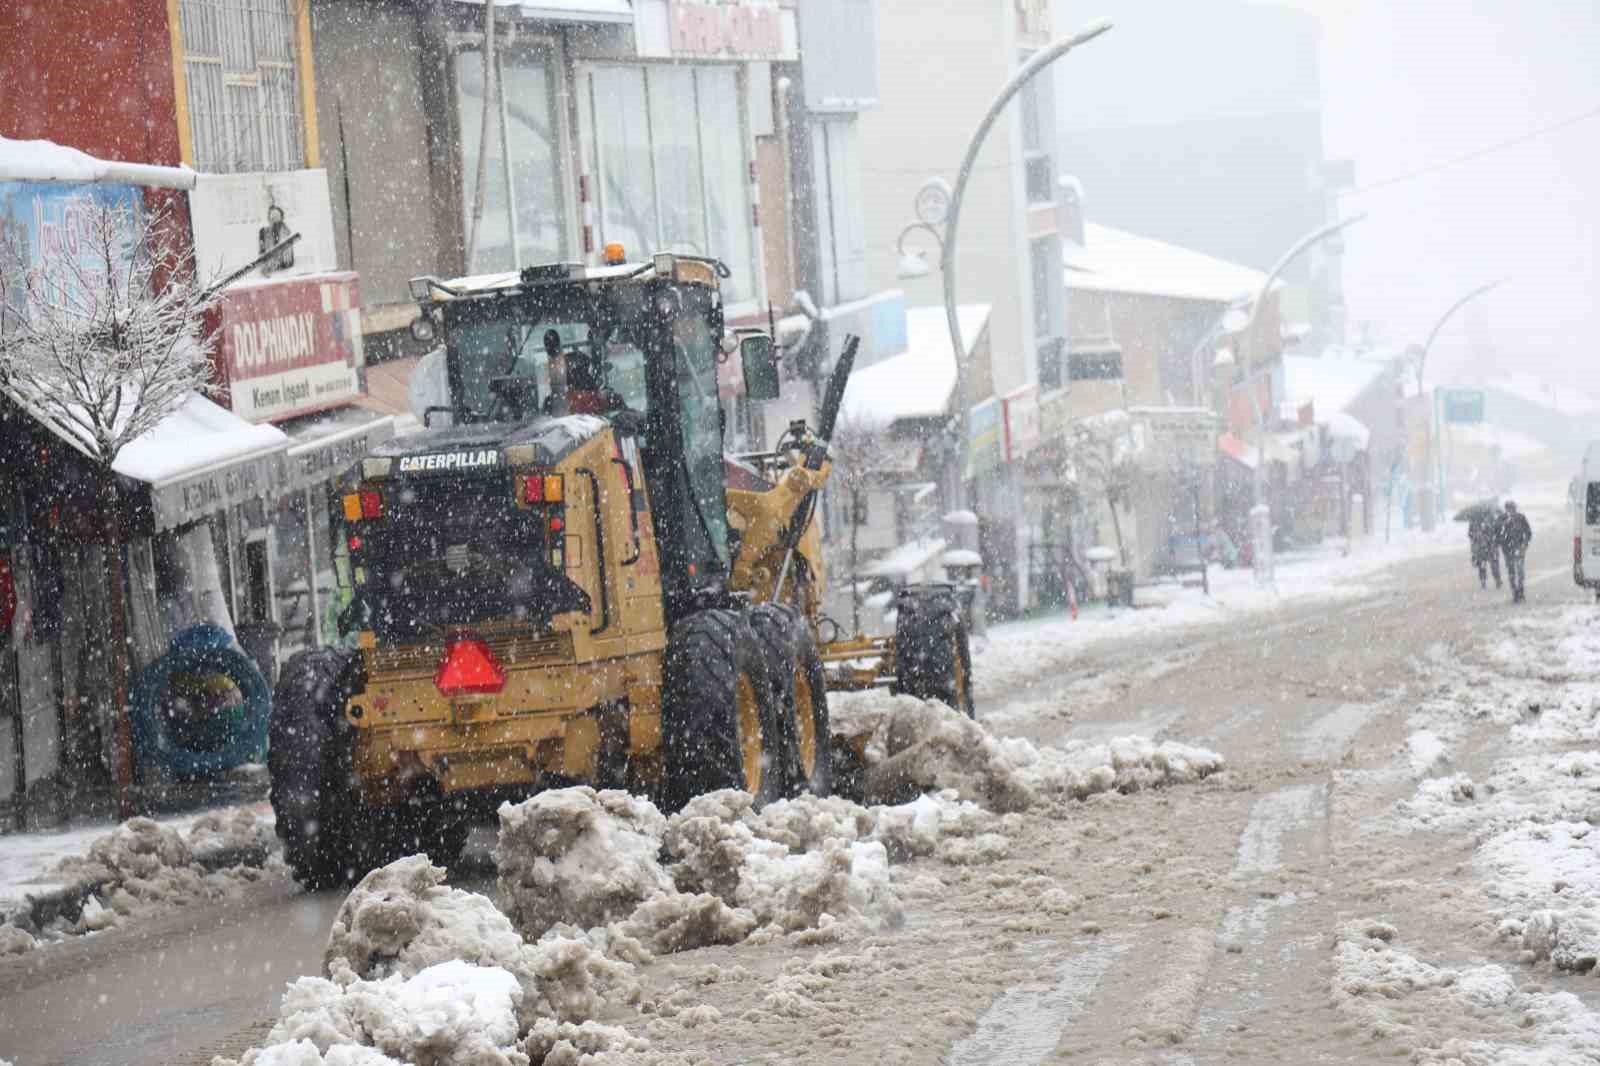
640	351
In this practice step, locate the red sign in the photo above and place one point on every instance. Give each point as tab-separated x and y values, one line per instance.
728	30
291	346
8	597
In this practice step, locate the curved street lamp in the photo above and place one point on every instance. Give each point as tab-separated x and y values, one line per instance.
1261	529
1037	62
1436	476
912	264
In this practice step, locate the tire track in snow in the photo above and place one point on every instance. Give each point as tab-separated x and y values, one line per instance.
1025	1022
1258	970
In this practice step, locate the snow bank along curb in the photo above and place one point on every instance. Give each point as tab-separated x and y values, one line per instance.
138	867
1533	816
1472	1015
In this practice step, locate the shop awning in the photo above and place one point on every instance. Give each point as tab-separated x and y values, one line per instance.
203	458
566	10
324	447
1278	450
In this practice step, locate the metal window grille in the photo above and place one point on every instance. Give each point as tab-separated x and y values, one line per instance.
244	99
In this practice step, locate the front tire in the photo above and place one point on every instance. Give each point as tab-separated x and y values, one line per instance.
933	656
801	695
308	764
718	719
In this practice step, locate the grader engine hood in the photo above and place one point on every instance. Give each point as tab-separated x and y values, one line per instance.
552	439
465	526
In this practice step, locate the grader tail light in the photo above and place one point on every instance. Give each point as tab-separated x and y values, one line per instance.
541	488
363	506
469	668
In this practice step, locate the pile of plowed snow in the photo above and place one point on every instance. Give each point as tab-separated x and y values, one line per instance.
421	972
142	866
913	746
593	884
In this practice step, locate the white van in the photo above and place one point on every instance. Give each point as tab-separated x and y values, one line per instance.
1585	500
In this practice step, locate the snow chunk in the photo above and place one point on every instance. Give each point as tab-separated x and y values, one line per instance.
790	866
450	1014
915	746
402	919
578	856
14	941
564	1044
1427	754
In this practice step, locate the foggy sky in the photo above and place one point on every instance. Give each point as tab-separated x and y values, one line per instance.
1408	85
1405	85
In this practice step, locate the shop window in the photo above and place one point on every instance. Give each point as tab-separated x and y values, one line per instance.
524	206
669	168
292	576
243	84
1050	364
1101	365
836	159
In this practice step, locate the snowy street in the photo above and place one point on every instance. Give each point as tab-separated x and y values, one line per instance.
1332	895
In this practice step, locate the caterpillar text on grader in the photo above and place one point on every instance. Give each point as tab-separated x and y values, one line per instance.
571	583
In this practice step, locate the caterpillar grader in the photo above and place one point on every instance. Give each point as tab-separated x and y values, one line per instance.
566	580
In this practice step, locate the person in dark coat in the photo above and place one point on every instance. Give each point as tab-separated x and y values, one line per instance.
1483	534
1515	536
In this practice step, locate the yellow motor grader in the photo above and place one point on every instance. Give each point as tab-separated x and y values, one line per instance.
563	579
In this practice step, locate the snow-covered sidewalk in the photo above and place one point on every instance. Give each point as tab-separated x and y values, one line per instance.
1017	653
61	883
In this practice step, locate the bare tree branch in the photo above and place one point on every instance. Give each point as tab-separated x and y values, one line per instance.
106	344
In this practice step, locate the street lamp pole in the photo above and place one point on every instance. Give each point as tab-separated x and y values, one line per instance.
1261	528
1436	489
1037	62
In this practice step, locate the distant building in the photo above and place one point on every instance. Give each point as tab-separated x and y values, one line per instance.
941	67
1223	151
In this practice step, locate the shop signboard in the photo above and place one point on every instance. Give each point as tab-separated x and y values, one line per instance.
1021	422
179	501
291	347
731	29
1055	415
238	217
48	225
985	430
323	459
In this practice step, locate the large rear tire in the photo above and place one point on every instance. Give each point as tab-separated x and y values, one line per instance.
308	763
718	718
801	695
933	657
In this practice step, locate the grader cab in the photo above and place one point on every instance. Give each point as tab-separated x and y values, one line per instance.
554	582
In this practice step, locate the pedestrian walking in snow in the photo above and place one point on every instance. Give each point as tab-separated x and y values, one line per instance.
1483	534
1515	536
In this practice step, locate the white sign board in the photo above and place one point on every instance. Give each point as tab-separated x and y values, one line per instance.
237	217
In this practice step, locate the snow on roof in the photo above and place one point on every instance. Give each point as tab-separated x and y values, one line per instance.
962	557
918	382
907	559
1112	260
1512	445
1330	384
48	161
196	436
1344	426
1533	389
